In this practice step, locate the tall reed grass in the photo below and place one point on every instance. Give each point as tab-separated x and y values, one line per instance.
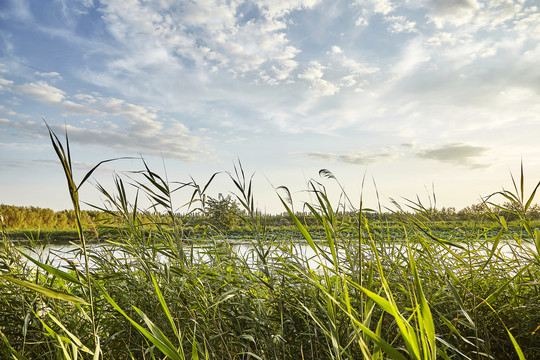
368	292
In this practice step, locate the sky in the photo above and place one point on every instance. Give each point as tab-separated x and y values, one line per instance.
398	99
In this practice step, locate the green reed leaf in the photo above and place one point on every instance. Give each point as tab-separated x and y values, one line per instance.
155	336
519	352
537	241
56	272
45	291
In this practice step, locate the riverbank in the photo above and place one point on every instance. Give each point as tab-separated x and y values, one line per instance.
451	231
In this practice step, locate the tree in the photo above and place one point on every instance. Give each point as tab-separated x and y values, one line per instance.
473	212
223	212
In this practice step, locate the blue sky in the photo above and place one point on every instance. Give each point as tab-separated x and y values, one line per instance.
412	94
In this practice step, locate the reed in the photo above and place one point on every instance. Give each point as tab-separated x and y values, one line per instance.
366	291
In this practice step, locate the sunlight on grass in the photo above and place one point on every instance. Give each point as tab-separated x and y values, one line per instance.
371	288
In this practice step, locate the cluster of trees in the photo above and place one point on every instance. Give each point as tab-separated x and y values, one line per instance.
30	217
509	210
224	213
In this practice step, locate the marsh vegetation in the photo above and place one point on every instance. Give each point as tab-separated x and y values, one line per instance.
371	288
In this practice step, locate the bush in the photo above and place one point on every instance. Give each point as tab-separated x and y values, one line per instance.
223	212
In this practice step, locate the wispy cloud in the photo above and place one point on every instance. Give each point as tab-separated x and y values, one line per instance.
358	157
220	52
361	158
5	84
17	9
322	156
453	12
42	91
400	24
8	112
38	163
319	86
456	154
136	129
174	143
251	66
52	74
215	36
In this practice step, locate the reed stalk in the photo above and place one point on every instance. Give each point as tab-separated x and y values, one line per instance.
370	288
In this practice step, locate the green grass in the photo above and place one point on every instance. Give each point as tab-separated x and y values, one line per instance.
404	290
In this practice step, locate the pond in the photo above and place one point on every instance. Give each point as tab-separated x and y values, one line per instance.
68	256
65	256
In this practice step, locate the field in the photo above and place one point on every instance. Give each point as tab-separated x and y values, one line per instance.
411	288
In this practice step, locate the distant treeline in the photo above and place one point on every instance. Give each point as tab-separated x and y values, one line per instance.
509	210
30	217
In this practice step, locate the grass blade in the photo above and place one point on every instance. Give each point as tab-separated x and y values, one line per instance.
45	291
56	272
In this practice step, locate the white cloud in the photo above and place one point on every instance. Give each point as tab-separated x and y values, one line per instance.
369	8
51	74
357	68
210	34
336	50
362	20
400	24
10	112
442	39
528	26
219	63
5	84
453	12
72	107
42	92
279	8
87	3
140	118
498	13
475	14
169	145
319	86
279	73
141	130
211	14
253	65
313	72
348	81
383	6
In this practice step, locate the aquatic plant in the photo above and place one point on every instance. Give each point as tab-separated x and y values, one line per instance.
370	288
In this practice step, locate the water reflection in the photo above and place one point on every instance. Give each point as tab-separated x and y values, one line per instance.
69	256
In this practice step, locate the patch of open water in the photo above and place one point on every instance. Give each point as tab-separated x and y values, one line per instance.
66	256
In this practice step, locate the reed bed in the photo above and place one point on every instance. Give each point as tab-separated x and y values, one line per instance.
362	293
